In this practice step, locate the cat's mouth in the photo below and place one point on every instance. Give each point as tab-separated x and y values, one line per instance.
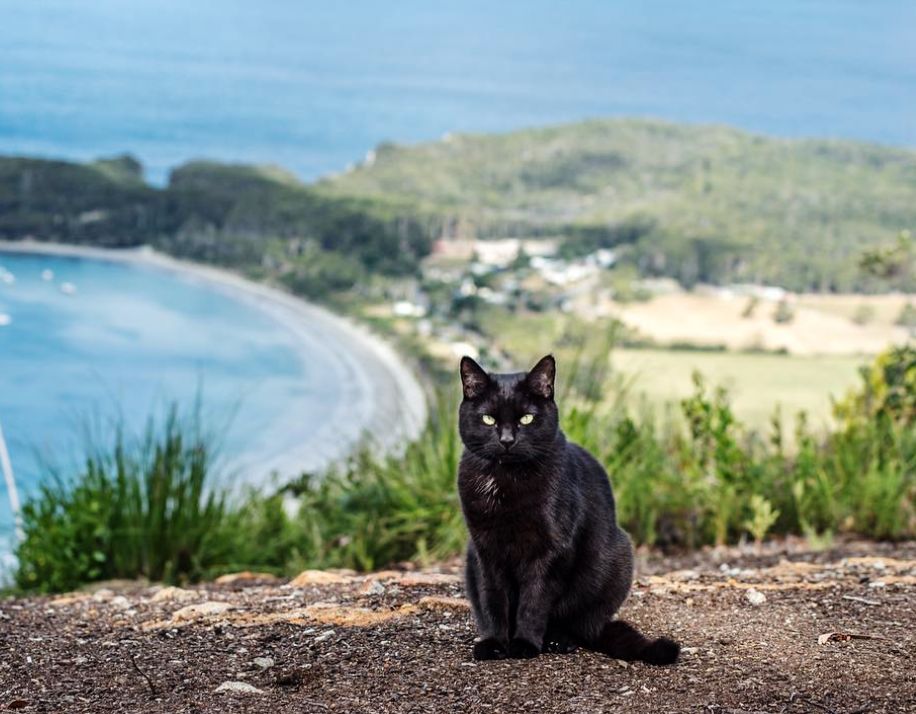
511	457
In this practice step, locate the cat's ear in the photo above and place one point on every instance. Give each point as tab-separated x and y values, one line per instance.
474	380
540	378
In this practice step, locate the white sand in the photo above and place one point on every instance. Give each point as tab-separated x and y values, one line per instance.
384	403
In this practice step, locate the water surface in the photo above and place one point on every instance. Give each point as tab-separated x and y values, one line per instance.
313	86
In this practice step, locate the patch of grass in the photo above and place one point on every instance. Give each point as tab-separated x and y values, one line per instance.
139	509
757	383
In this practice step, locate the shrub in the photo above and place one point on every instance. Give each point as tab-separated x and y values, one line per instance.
141	509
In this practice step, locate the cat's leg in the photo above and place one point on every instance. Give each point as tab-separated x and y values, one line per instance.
535	598
490	605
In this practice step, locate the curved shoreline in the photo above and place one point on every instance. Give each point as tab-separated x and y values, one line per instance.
384	403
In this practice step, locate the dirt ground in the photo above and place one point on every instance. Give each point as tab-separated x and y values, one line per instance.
780	630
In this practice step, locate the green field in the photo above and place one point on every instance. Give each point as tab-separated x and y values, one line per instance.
757	383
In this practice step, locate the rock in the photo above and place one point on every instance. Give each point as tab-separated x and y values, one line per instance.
324	636
755	597
238	688
173	594
200	610
65	600
419	580
388	575
444	604
372	587
246	576
120	602
318	577
263	662
347	616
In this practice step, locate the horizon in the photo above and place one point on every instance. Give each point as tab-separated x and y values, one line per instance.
314	89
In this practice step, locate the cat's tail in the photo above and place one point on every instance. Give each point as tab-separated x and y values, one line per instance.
621	640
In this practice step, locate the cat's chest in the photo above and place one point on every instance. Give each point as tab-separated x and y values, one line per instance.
494	502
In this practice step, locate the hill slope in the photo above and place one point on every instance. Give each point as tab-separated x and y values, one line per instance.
700	203
249	217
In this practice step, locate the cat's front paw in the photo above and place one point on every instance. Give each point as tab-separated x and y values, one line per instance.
558	644
489	649
522	649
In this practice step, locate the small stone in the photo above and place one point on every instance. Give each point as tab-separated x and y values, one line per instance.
421	580
120	602
444	604
238	688
324	636
200	610
318	577
246	576
372	587
755	597
173	594
263	662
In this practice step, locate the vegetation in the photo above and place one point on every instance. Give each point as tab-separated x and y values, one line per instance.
698	203
145	508
696	477
250	218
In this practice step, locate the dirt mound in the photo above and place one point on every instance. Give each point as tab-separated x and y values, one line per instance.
785	630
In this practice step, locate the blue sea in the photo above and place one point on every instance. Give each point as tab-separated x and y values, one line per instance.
313	86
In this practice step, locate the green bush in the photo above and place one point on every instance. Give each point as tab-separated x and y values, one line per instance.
140	510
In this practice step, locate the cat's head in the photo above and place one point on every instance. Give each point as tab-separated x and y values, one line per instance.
508	417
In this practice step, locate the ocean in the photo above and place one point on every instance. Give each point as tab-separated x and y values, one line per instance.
314	86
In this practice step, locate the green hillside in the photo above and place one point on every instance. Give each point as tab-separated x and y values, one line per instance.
258	219
699	203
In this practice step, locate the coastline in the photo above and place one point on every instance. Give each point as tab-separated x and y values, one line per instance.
384	405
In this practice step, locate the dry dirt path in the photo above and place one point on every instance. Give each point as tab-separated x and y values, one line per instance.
784	631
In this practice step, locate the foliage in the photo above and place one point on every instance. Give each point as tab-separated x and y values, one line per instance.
699	476
226	214
698	203
137	509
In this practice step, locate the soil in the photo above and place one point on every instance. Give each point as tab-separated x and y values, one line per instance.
780	629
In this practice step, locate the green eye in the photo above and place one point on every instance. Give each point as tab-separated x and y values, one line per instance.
488	420
526	420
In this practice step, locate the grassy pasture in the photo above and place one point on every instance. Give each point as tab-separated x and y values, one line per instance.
758	383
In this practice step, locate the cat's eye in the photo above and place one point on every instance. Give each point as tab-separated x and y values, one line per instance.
526	419
488	420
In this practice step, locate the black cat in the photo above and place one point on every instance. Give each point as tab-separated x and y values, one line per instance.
547	565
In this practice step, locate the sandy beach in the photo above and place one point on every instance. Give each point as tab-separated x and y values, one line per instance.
384	404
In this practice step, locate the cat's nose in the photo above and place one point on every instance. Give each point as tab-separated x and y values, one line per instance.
507	439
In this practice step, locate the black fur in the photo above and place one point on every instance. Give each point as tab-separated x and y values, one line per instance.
547	565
